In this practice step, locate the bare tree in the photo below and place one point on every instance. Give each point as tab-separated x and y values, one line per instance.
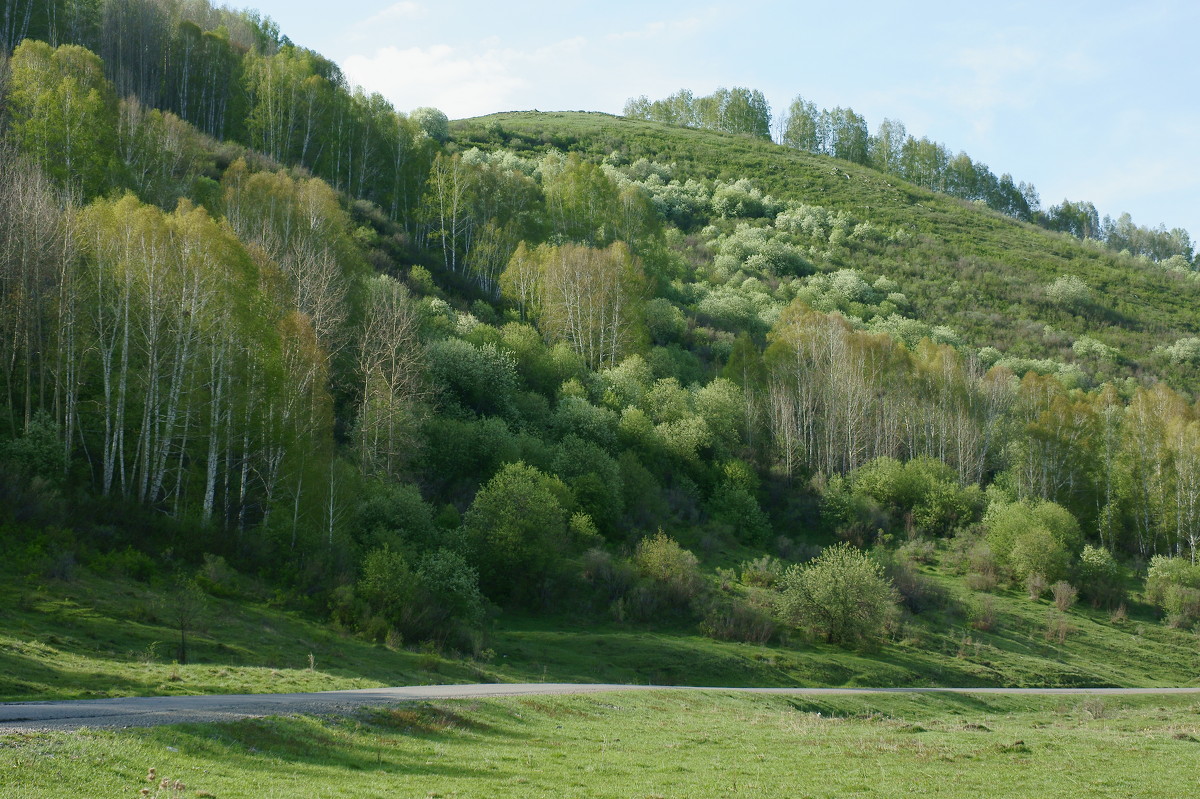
391	367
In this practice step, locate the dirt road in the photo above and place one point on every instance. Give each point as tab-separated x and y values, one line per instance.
149	711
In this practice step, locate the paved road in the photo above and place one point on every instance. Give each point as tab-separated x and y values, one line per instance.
149	711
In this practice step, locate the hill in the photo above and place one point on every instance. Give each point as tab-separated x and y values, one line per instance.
430	384
959	263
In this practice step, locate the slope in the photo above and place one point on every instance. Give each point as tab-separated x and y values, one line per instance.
965	265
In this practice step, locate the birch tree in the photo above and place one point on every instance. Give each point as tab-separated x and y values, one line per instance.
391	371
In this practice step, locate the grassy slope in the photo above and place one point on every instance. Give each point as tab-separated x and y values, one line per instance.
1000	265
102	637
648	745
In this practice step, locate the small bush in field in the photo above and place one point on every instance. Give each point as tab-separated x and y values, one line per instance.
1057	626
610	575
675	570
984	616
1036	585
1174	585
1100	578
1064	595
918	550
738	620
985	581
842	596
763	572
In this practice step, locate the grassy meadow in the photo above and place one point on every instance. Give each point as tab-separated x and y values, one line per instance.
657	744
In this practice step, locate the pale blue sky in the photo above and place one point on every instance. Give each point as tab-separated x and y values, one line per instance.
1088	100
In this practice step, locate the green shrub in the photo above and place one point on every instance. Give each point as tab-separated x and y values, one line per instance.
347	609
922	496
436	601
762	572
394	514
595	479
1028	537
1101	579
738	619
1037	551
37	452
1174	585
734	506
129	562
447	596
1165	571
611	576
842	596
1182	605
386	585
673	570
218	578
517	531
665	322
480	379
853	515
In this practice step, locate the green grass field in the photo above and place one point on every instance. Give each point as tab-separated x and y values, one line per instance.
96	636
659	744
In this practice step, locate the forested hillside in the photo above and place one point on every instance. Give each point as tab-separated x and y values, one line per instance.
411	373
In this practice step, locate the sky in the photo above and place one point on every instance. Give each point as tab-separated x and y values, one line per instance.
1087	100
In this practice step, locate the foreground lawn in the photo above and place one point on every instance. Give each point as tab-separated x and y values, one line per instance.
662	744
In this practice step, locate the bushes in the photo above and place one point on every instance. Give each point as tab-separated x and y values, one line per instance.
1100	578
842	596
1174	585
920	496
1037	551
736	508
673	570
517	532
392	513
438	601
1033	538
738	619
763	572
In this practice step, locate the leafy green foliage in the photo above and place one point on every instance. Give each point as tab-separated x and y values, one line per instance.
1033	538
842	596
517	531
1100	577
1174	585
920	496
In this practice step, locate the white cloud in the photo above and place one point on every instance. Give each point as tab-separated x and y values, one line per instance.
460	84
397	12
1148	181
384	23
660	29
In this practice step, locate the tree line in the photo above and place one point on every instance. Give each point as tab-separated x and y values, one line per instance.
842	133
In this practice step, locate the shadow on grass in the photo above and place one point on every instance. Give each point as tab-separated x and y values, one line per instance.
905	706
367	741
31	677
